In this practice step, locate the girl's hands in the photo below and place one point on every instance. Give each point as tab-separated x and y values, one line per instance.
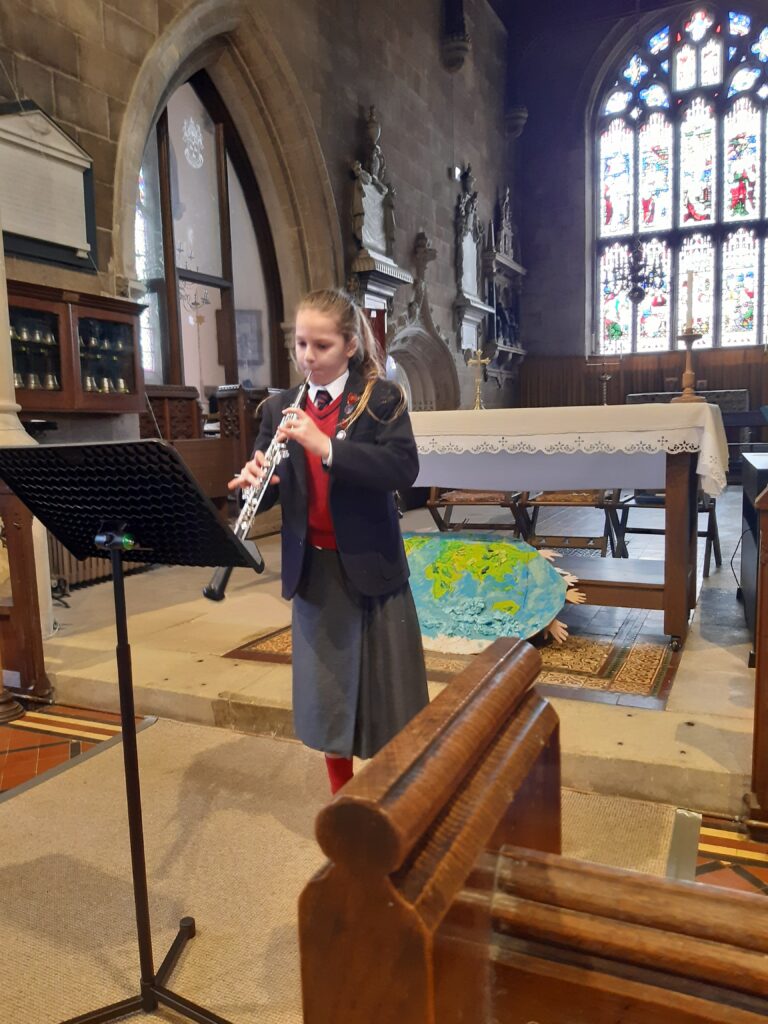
303	430
300	429
251	474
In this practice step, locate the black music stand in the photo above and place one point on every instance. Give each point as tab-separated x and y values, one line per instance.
134	498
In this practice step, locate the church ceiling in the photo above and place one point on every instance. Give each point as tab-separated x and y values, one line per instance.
528	18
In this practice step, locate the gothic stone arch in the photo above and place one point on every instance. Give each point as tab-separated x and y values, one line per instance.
236	47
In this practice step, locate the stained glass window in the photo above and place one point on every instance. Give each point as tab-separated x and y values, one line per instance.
760	48
738	24
697	159
740	272
712	62
744	79
685	68
659	41
698	26
617	102
697	259
616	307
654	96
654	310
680	216
741	144
655	157
635	70
616	153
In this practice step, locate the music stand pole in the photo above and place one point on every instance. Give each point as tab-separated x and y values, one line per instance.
151	984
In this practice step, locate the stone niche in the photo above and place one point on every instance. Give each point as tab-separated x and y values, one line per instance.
470	308
422	359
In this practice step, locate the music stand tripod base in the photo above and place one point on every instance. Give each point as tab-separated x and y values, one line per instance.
111	499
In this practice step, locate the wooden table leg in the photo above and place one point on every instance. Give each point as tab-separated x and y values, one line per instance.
20	630
759	797
680	535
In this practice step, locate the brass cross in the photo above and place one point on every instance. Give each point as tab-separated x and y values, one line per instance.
480	362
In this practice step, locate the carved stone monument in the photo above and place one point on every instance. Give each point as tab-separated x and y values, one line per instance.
421	353
470	310
46	189
373	226
503	274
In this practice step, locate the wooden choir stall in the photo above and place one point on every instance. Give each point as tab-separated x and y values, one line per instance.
675	448
21	642
445	899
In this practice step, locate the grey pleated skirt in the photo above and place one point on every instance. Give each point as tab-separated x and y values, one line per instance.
358	663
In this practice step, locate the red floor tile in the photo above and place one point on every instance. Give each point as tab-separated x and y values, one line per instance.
27	753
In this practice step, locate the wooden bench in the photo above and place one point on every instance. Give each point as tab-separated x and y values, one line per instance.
430	911
441	504
524	509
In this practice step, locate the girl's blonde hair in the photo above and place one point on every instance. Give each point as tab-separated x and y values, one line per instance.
352	323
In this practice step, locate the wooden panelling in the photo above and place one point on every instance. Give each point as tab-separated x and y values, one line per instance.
572	380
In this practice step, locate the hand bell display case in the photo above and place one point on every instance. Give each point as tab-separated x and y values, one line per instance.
74	352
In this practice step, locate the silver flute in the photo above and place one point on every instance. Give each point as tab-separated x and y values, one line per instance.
254	496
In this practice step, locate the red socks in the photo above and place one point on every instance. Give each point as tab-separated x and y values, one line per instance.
339	771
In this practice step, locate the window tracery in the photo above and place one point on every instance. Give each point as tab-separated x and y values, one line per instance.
680	152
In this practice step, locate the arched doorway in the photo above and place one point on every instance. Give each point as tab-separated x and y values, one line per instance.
251	78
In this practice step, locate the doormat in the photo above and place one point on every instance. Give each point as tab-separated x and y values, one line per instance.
275	647
633	661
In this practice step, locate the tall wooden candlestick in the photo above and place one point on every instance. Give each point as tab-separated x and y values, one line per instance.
689	377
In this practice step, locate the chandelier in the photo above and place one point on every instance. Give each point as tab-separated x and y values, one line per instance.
635	270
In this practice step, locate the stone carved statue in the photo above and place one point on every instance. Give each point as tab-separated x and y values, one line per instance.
376	164
431	367
469	233
423	254
506	233
373	212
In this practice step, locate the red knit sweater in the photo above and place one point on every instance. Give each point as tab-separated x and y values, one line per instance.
319	525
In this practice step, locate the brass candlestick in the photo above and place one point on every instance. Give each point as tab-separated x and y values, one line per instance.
689	377
480	363
605	377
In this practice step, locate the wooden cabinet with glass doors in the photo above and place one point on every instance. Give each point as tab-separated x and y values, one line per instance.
74	352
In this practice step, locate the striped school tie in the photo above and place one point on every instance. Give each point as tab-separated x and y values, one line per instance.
322	398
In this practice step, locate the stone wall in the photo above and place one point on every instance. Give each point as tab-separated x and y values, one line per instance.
88	64
556	78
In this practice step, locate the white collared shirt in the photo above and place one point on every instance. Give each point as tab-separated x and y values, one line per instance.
334	389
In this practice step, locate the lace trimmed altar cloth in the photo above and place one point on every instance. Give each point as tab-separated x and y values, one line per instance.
534	449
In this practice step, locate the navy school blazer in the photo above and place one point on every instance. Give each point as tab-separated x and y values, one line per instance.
377	457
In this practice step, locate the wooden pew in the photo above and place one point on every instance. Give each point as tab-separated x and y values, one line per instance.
429	911
476	769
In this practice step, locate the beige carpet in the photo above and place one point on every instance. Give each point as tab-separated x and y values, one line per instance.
229	836
618	832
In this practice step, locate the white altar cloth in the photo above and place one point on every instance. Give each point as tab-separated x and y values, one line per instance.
614	445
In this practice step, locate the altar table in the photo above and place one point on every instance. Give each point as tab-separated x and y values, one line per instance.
677	447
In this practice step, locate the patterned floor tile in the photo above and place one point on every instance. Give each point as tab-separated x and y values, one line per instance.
47	737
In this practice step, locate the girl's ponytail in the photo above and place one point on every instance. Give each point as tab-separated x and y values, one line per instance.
352	322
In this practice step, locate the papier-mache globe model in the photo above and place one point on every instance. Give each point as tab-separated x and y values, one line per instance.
472	587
